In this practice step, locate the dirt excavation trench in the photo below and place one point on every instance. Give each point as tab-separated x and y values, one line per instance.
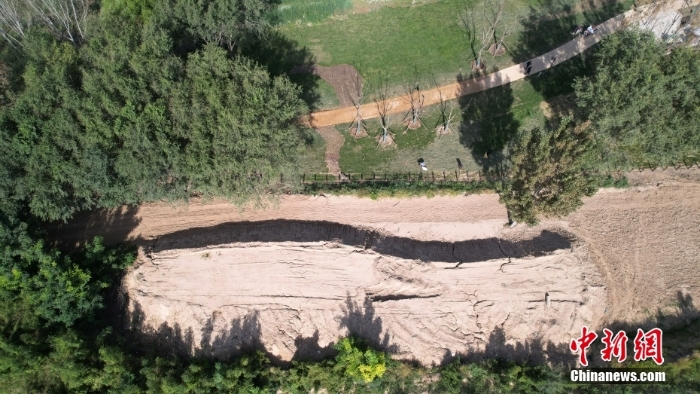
424	279
289	283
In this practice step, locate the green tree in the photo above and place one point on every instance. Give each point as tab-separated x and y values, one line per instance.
546	172
359	361
46	159
235	122
642	100
231	24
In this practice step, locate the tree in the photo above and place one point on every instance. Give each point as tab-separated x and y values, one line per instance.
65	19
230	24
447	114
415	99
383	102
359	361
546	178
485	28
354	88
48	162
643	103
234	123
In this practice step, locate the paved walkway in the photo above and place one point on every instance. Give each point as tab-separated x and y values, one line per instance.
498	78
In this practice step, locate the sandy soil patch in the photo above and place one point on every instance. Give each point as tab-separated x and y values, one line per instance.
424	301
219	278
646	242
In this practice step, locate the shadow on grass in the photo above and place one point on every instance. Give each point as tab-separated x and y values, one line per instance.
280	55
540	36
488	124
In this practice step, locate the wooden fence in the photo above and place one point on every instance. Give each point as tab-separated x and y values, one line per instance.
460	175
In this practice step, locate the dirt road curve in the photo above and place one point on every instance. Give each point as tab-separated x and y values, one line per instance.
510	74
425	279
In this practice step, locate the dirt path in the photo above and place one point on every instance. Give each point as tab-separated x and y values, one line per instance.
334	141
510	74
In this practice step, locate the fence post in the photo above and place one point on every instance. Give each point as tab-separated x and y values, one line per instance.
444	176
303	178
479	175
409	176
281	179
326	178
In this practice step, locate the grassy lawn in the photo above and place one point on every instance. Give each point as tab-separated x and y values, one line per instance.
400	41
494	117
312	157
441	153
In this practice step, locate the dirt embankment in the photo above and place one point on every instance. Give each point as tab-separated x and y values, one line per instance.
292	288
422	278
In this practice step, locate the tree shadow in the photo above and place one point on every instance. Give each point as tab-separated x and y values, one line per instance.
540	36
113	225
502	356
487	123
533	352
281	56
361	322
681	334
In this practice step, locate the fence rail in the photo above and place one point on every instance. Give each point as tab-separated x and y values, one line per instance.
462	176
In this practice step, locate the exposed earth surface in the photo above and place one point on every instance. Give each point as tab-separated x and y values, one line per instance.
425	279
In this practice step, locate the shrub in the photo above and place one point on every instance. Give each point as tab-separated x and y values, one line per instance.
358	361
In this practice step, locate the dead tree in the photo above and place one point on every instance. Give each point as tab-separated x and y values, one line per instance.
65	19
448	112
13	22
479	40
415	99
383	102
485	28
354	89
499	25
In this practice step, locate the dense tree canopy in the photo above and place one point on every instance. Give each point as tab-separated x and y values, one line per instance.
546	172
644	102
124	118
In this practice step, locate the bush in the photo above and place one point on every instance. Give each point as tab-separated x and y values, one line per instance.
359	361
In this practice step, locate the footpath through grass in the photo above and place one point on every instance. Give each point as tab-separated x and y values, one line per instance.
401	42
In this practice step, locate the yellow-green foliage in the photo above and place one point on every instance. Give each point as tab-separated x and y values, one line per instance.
358	361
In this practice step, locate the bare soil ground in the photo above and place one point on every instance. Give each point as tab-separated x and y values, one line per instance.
425	279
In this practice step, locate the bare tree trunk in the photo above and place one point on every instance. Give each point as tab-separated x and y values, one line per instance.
415	100
382	101
355	92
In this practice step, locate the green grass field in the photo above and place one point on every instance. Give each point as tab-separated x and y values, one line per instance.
400	42
298	11
362	155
